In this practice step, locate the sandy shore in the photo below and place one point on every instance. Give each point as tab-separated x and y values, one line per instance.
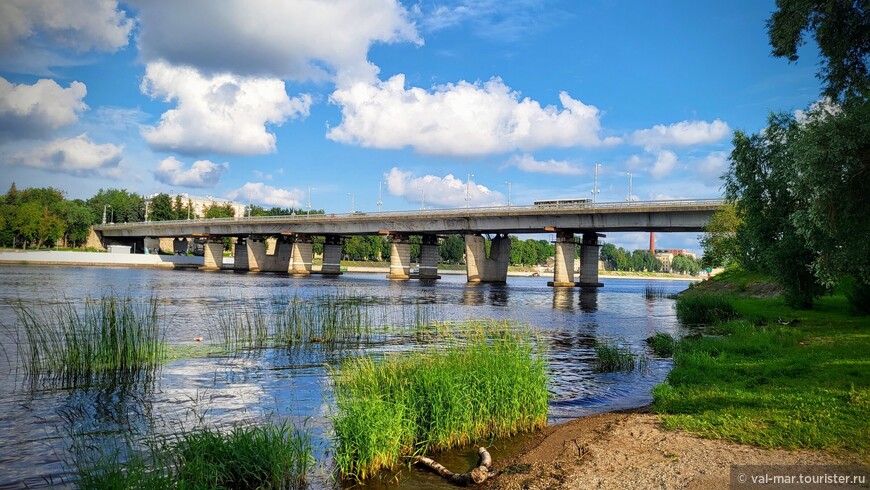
631	450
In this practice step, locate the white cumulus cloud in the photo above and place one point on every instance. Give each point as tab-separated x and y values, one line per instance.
447	191
527	163
300	39
33	111
711	167
76	156
683	133
462	119
223	113
665	163
266	195
202	173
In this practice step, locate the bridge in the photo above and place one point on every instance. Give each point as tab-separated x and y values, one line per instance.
293	253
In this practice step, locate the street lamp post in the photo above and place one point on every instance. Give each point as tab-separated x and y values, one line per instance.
309	200
468	191
629	186
595	190
422	199
352	202
380	202
509	193
113	214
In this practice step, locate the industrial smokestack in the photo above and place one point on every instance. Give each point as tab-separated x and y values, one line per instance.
652	242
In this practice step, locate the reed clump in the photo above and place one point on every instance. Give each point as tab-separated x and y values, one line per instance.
490	384
662	344
330	319
110	335
612	358
705	309
654	292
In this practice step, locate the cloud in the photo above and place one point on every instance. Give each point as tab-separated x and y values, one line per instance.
33	32
665	163
75	156
34	111
260	193
683	133
303	39
460	120
494	20
527	163
224	114
445	191
711	167
202	173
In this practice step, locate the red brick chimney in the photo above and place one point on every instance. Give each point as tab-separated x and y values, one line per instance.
652	242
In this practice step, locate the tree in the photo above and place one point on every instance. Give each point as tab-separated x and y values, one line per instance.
452	249
719	240
161	208
758	183
127	207
78	218
215	210
841	28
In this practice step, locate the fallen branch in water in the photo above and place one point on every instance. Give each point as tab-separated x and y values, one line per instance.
477	475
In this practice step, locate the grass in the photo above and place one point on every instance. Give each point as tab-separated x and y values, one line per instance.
491	384
654	292
611	358
704	308
806	385
266	457
110	335
662	344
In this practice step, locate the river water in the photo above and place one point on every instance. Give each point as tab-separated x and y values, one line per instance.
37	423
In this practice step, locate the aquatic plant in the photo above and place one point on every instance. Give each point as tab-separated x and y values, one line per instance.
240	326
662	344
704	308
74	343
490	384
654	292
611	358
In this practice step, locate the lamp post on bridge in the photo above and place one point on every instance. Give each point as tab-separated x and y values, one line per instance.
509	193
380	202
352	202
422	199
468	191
629	199
595	190
309	201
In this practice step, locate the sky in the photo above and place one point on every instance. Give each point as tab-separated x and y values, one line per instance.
427	102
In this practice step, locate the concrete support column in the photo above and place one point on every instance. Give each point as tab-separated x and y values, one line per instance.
213	256
589	260
302	253
400	258
479	267
331	256
256	253
279	261
240	256
429	256
563	266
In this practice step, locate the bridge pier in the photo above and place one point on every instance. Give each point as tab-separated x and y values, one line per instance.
589	249
429	255
213	256
256	253
279	261
563	266
492	269
331	256
301	255
400	258
240	256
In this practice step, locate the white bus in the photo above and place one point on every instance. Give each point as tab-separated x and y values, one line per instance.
563	203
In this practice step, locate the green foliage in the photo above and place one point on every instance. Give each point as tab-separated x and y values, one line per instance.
79	218
215	210
611	358
489	385
127	207
530	252
685	265
719	240
842	31
803	386
704	308
662	344
857	293
452	249
161	208
371	247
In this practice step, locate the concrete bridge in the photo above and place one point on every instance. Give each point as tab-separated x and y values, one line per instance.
293	253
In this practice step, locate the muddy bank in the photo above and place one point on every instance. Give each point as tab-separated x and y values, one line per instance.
631	450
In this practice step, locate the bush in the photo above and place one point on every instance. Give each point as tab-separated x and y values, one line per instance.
857	294
704	309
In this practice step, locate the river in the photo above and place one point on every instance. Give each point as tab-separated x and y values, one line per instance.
36	422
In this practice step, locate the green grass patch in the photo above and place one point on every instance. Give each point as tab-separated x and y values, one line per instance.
704	308
267	457
662	344
73	343
805	385
485	385
611	358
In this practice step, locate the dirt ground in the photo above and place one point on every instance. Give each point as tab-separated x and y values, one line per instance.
631	450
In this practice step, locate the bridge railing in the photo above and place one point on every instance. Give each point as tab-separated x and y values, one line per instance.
438	212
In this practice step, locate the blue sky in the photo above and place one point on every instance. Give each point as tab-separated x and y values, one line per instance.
264	99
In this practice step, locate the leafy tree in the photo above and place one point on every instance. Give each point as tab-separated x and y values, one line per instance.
78	218
719	240
161	208
452	249
758	183
12	195
128	207
685	265
216	210
841	28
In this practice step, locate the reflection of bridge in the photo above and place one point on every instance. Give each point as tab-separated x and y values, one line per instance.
293	253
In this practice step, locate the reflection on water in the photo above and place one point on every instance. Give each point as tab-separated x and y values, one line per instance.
36	424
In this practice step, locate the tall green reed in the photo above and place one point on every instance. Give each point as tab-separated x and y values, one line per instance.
73	343
488	384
